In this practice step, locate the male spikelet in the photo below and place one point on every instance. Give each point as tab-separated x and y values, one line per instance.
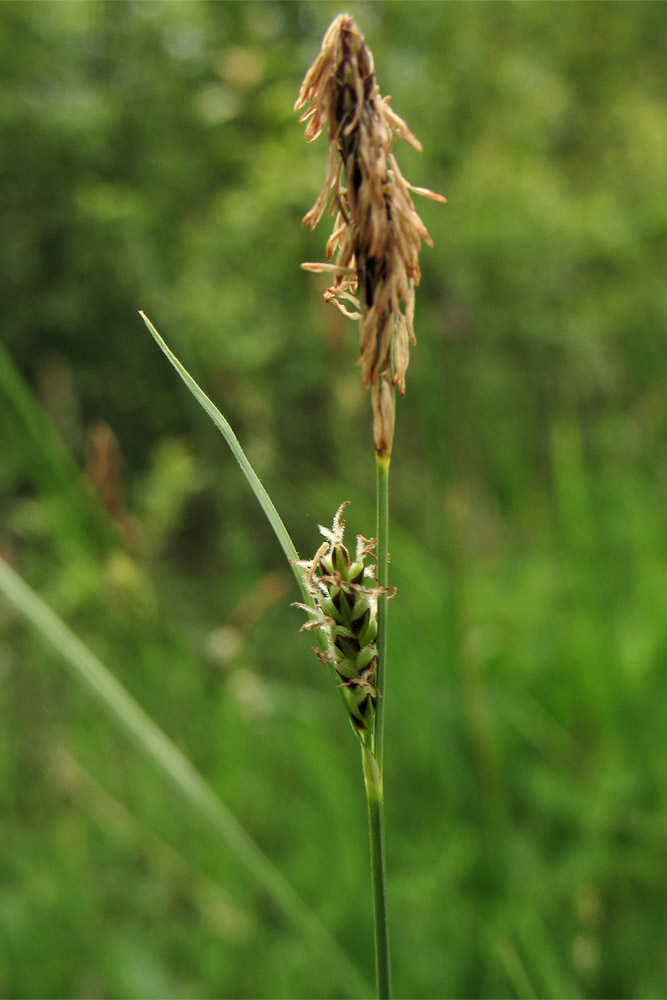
377	233
345	593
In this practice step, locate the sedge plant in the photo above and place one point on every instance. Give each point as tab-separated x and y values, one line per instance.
373	257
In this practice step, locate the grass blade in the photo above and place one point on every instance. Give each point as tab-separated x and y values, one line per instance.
49	465
177	769
225	429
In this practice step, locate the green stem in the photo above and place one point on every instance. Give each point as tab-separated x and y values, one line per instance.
382	466
375	799
372	757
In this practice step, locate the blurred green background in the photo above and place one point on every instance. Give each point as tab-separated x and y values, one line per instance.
150	158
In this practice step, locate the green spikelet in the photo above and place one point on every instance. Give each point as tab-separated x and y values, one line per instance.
345	592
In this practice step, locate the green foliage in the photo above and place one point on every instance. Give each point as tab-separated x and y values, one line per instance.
150	158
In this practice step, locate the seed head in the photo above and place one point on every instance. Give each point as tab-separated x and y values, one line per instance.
377	232
345	593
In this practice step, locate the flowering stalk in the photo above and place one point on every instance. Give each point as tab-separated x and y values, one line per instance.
373	256
344	595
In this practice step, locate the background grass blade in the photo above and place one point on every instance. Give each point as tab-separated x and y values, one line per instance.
175	767
31	440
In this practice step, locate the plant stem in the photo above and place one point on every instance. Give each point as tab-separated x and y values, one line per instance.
372	758
375	799
382	466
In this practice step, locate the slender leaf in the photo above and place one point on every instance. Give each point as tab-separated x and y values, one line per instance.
176	768
225	429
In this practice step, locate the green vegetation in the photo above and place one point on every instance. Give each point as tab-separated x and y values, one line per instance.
150	158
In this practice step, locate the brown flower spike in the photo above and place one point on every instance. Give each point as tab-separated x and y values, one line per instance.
377	233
